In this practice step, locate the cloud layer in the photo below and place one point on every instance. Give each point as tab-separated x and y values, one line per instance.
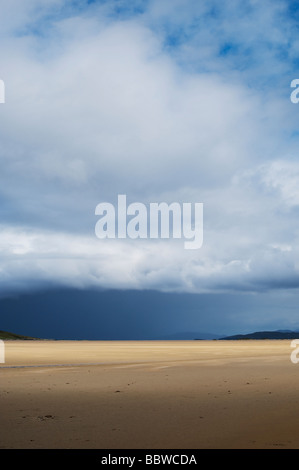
161	101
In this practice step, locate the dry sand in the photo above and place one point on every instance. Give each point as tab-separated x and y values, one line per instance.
149	395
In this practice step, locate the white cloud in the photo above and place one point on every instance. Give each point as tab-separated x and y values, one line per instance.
283	176
98	106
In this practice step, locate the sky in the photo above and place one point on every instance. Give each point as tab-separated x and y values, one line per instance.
181	101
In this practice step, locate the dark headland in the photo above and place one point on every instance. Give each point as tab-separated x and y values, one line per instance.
278	334
5	335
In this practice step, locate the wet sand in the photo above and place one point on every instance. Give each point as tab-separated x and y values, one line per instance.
149	395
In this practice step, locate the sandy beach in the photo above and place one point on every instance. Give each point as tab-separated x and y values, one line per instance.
149	395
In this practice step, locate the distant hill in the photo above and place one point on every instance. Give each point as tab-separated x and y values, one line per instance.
278	334
8	335
187	335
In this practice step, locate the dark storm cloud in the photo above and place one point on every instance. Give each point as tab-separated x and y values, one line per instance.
139	315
